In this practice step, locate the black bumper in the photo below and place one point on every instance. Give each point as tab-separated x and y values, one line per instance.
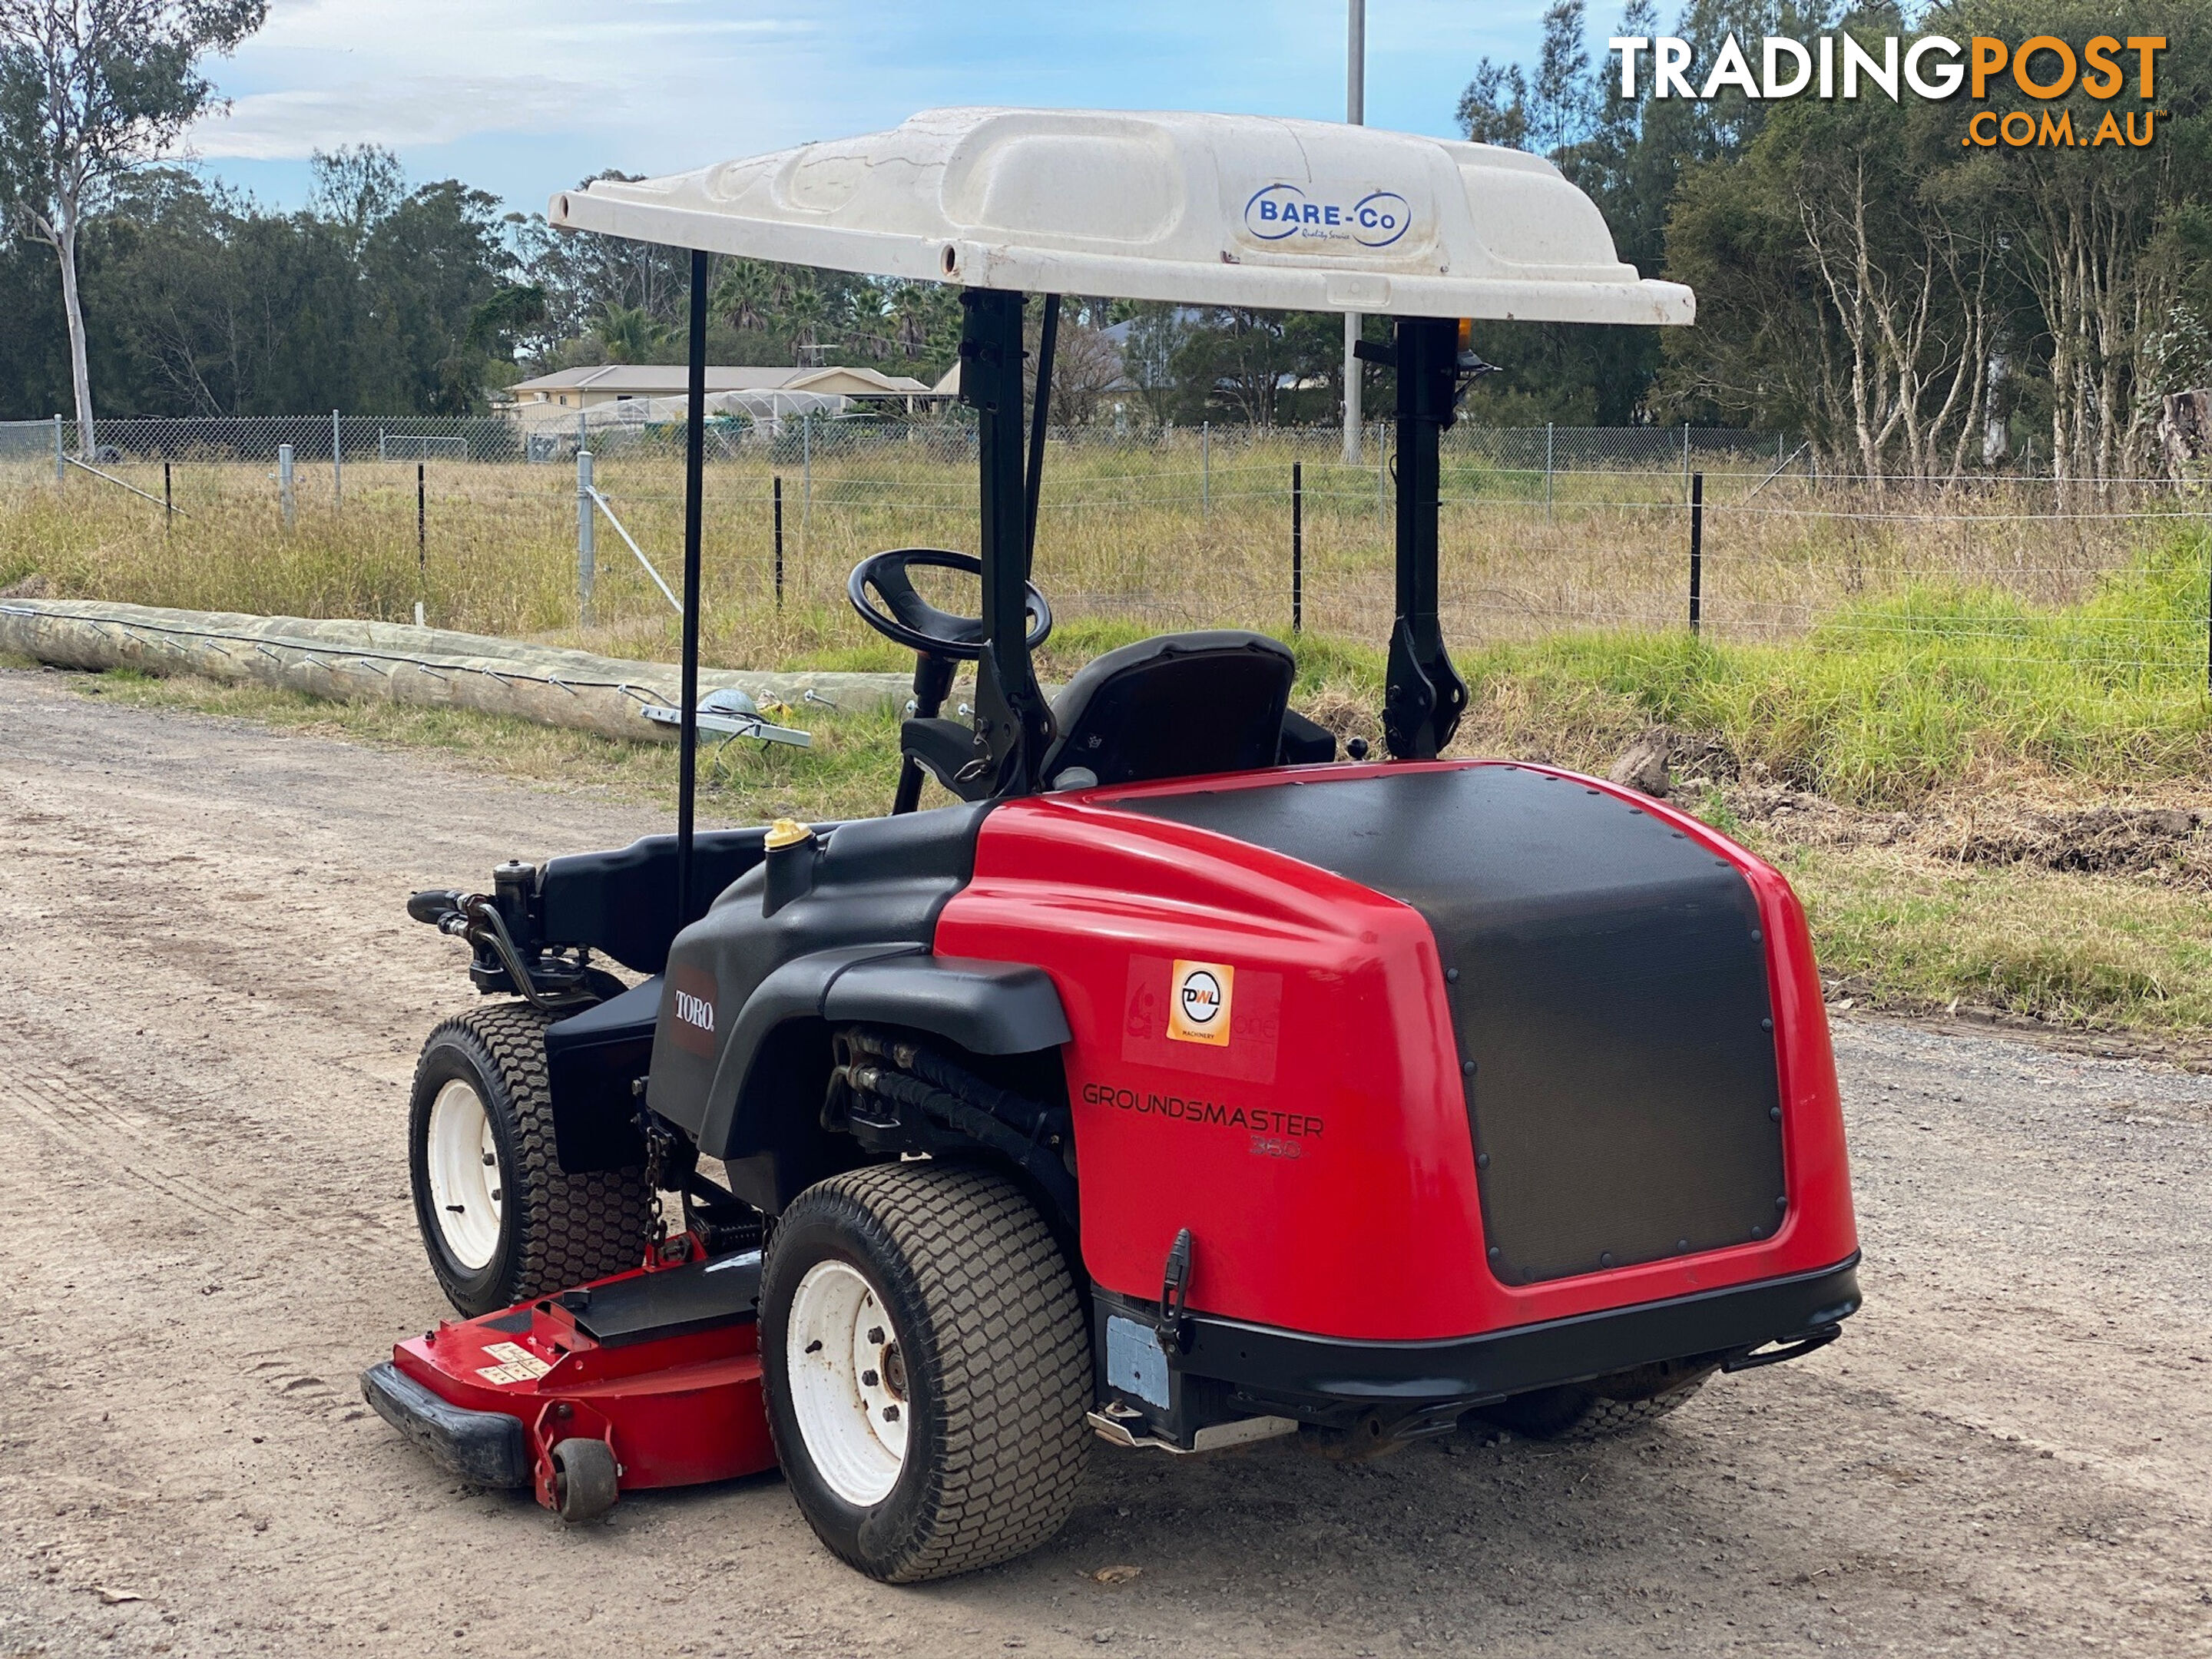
1264	1361
485	1449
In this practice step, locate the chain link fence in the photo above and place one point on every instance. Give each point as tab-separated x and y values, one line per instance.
511	525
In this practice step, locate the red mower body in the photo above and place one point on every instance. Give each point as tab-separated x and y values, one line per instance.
1323	1150
661	1364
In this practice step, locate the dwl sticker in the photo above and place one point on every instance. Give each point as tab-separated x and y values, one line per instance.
1198	1002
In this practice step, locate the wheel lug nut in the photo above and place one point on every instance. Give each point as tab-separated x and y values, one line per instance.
876	1334
890	1414
867	1379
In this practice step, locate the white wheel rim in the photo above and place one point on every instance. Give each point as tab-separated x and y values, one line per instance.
848	1383
466	1188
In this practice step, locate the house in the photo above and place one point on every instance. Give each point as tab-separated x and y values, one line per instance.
634	390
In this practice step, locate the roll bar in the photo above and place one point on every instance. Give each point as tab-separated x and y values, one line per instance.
1424	696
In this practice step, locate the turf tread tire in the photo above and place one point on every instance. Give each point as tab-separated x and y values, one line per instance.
1002	1329
569	1229
1600	1410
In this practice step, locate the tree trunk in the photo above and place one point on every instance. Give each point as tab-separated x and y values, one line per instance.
64	244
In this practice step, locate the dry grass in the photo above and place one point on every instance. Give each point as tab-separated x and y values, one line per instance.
1133	539
1885	653
847	773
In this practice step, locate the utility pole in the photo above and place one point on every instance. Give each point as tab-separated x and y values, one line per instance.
1355	114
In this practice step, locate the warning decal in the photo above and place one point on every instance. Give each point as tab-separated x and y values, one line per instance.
517	1364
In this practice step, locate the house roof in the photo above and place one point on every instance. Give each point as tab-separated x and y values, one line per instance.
668	381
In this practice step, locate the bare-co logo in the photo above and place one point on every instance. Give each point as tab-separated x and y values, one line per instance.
1279	213
691	1002
1198	1002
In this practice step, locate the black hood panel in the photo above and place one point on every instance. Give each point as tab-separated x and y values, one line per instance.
1609	987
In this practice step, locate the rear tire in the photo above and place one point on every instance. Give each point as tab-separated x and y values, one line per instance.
1610	1406
928	1369
501	1221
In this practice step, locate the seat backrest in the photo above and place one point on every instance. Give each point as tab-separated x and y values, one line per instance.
1174	706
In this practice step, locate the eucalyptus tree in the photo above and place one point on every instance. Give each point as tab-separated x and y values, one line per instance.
90	91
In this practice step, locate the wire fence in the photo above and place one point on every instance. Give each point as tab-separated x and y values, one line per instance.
507	526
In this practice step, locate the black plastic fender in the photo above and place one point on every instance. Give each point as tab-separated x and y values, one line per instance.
983	1007
591	1059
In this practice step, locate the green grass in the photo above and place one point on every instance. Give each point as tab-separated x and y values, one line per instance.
2071	951
1886	699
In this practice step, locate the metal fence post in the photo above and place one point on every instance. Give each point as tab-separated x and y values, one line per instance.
61	466
1685	452
421	536
778	541
585	531
1298	547
284	482
169	498
1548	471
1696	547
1382	484
1205	465
337	464
806	469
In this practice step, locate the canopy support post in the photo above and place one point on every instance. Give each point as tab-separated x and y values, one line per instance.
1040	413
1424	695
695	469
1012	723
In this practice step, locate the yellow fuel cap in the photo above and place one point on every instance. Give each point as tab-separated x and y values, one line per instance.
786	832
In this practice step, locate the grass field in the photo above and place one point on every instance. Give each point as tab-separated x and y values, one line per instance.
1884	650
1147	538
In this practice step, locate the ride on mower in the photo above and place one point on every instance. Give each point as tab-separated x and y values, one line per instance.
1176	1082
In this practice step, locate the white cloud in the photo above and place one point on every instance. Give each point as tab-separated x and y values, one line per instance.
406	73
276	125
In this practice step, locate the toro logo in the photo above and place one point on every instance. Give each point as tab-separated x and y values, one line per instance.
691	1000
1198	1002
1277	213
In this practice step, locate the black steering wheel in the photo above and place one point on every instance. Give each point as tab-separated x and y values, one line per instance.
915	623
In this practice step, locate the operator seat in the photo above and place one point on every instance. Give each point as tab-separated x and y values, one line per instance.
1175	706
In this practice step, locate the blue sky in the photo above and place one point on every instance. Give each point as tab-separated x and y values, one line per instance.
525	97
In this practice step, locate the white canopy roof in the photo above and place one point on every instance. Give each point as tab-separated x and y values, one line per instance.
1201	209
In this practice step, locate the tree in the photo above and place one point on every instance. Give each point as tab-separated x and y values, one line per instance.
1153	342
89	90
1246	360
357	186
1562	99
1494	108
630	334
1846	270
2102	244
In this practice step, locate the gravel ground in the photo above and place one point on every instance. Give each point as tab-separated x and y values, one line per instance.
211	1003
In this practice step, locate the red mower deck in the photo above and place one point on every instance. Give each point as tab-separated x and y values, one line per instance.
660	1365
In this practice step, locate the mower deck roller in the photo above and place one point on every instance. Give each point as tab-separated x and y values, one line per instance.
1173	1082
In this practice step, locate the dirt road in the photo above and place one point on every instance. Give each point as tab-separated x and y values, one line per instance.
209	1001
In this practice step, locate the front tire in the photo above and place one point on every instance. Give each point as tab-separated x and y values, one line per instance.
928	1369
501	1221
